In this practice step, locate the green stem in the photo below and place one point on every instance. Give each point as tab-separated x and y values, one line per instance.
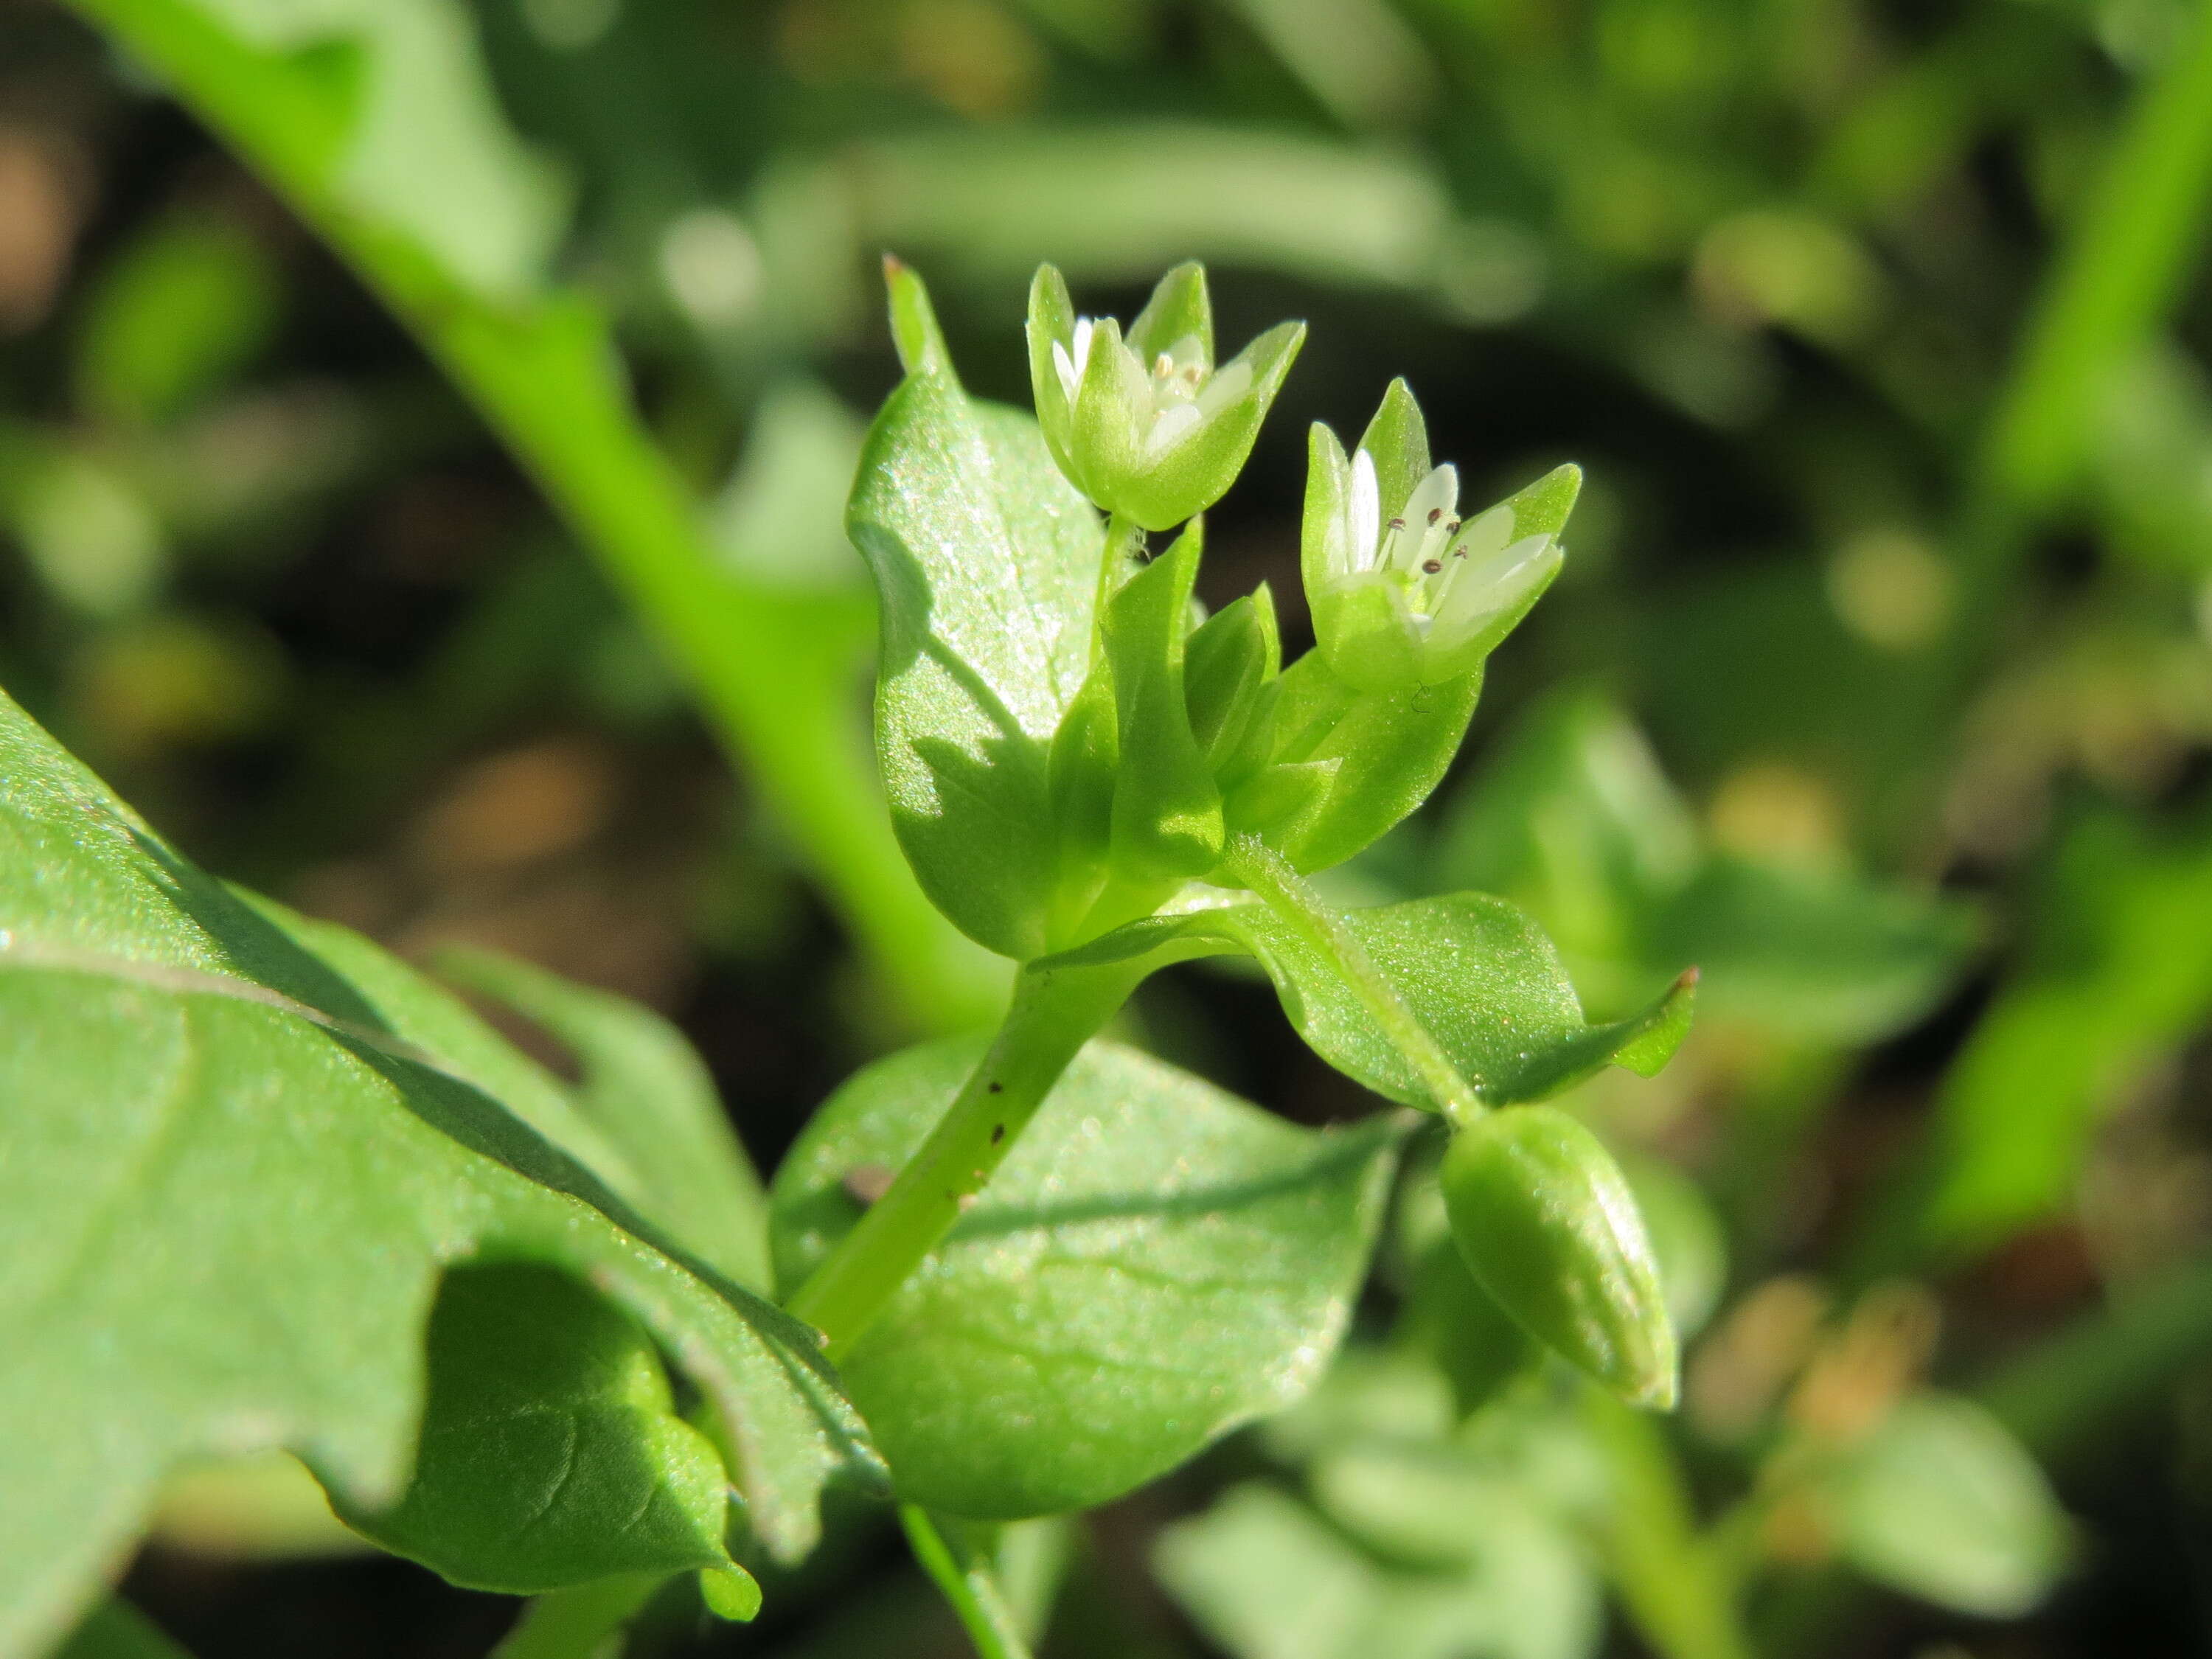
1271	879
1672	1588
1055	1012
963	1573
575	1623
1117	561
541	368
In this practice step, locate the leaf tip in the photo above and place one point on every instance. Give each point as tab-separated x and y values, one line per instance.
731	1594
920	342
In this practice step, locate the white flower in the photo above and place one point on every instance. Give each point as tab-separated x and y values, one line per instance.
1143	424
1448	581
1181	382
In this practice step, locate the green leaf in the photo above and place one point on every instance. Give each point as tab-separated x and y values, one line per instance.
1116	200
550	1451
645	1090
986	562
1267	1579
1156	1262
1942	1503
1475	971
240	1160
1385	751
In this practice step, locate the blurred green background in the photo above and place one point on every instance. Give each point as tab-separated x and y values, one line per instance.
1879	684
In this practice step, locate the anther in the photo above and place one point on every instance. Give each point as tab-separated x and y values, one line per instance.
1432	565
1435	513
1397	524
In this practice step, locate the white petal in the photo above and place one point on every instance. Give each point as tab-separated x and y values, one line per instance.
1065	366
1483	538
1480	593
1168	425
1085	327
1225	388
1363	512
1429	508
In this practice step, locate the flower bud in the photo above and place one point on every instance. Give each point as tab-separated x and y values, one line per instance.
1404	591
1146	427
1547	1223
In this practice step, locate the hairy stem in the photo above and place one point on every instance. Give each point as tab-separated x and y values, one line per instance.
1054	1013
1271	877
964	1574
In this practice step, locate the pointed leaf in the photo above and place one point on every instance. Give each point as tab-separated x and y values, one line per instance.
1476	972
1392	748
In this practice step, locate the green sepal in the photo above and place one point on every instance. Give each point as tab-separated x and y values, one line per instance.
1398	440
1368	633
1167	820
1105	444
1052	318
1196	471
1180	306
1542	508
1278	802
1229	662
1547	1224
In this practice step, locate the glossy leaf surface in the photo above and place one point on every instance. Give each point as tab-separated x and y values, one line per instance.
1476	972
1154	1262
241	1156
986	560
